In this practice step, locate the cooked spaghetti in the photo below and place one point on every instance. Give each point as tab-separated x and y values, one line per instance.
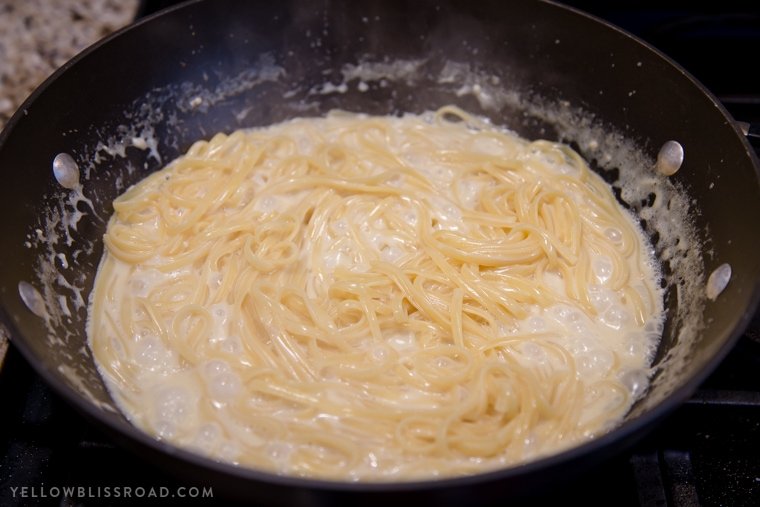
374	298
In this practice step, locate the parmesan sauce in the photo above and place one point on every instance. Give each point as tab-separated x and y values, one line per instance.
167	398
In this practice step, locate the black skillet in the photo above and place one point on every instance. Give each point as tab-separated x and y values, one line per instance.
213	66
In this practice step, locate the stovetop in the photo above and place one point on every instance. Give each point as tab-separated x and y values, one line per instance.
707	453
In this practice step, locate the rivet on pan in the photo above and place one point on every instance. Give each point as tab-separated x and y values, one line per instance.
31	298
718	281
66	170
670	158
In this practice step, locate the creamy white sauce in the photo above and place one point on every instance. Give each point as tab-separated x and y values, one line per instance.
168	397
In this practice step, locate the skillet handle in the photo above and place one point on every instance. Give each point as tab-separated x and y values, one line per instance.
749	129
